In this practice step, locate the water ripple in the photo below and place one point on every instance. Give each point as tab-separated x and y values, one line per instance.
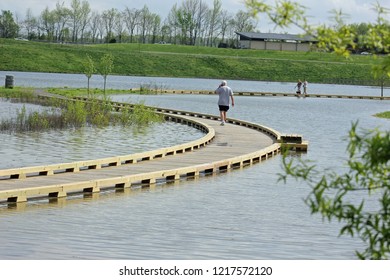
243	214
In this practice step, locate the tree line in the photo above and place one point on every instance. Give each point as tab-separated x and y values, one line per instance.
192	22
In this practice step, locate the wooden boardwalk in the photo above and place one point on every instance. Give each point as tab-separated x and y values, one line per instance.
280	94
233	145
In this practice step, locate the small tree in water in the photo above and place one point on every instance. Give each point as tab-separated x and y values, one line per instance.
106	66
89	69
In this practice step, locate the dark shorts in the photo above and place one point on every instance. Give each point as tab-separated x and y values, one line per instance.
223	108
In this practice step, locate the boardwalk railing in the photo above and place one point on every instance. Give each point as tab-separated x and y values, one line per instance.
147	178
45	170
269	131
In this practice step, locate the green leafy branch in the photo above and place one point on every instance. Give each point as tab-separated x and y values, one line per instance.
359	198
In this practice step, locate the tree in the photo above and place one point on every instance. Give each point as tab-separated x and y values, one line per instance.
214	21
183	21
131	18
94	24
242	22
201	11
8	26
106	66
226	24
89	69
30	23
79	14
155	26
47	20
346	197
144	17
119	26
359	198
108	18
166	33
189	18
84	18
61	16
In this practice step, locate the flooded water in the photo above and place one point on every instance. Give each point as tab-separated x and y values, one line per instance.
44	80
243	214
38	148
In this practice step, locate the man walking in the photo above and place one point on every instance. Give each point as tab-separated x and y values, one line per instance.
225	94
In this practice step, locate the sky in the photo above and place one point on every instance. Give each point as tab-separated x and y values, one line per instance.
317	10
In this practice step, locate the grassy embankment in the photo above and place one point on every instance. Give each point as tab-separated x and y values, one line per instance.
187	61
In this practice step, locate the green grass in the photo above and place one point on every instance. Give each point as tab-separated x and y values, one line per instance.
385	115
63	113
17	92
148	89
187	61
71	92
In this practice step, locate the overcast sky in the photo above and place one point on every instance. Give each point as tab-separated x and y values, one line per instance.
318	10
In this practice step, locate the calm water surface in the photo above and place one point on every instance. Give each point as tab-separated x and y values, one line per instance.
243	214
44	80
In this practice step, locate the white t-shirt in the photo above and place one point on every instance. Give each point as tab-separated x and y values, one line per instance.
224	93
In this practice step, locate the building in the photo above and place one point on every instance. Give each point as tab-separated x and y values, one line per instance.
274	41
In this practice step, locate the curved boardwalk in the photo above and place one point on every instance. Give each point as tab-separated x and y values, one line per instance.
223	147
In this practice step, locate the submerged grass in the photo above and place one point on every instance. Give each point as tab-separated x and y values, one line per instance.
64	113
17	92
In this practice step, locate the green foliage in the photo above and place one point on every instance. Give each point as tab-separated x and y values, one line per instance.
106	67
143	115
74	114
72	92
8	26
360	198
385	115
89	69
31	121
99	112
17	92
339	38
21	116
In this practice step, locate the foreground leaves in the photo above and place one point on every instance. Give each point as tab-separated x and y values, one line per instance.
360	198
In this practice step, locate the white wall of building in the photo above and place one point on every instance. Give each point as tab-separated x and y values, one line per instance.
276	46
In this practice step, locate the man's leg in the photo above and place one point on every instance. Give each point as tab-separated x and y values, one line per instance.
221	116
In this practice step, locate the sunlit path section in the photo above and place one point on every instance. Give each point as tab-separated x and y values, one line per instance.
234	145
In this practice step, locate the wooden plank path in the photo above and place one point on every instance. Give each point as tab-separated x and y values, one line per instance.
233	145
280	94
